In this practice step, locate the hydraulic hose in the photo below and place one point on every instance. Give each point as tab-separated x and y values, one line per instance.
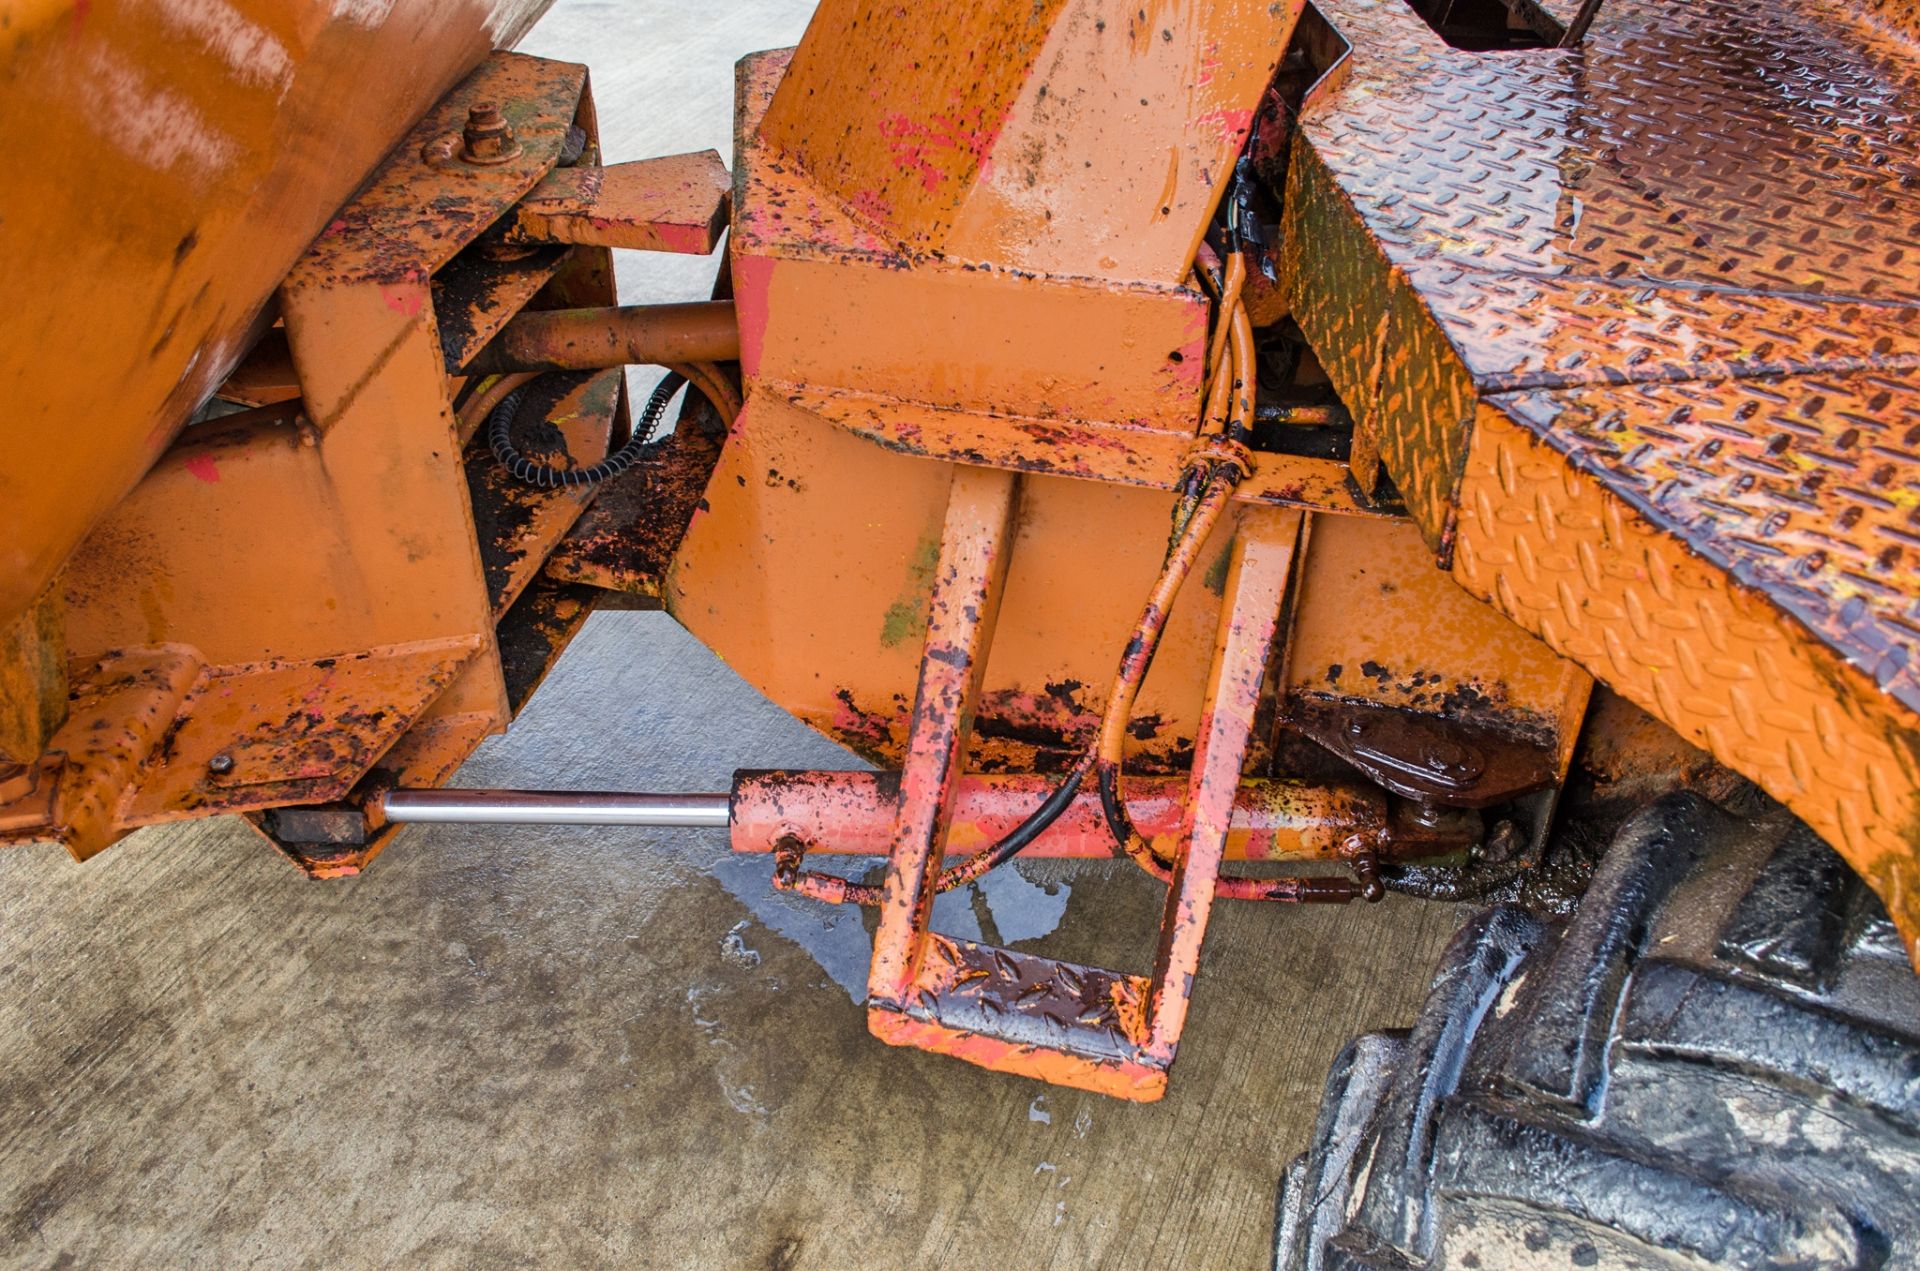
546	477
500	403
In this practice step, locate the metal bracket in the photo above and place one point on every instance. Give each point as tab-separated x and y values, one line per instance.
675	203
1074	1025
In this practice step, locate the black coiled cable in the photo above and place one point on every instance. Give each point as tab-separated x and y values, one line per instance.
544	477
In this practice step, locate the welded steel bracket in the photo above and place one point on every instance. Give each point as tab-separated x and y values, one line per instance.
1073	1025
673	203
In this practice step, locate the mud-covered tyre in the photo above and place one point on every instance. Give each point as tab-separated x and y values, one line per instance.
1714	1062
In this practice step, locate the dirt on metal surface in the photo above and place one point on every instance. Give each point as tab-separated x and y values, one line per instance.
627	539
563	421
346	573
845	812
156	734
1072	1025
676	203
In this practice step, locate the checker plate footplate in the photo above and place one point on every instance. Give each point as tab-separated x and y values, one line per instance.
1636	329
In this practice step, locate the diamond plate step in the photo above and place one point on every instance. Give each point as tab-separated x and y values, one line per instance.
1635	330
1016	1012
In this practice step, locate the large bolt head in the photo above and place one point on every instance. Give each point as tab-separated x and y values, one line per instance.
487	138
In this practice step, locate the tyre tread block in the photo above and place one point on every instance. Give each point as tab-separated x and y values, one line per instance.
1678	1011
1557	1047
1499	1159
1314	1192
1571	1093
1793	921
1479	964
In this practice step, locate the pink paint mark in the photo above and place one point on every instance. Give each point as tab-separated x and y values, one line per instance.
1191	366
873	205
915	145
1232	125
338	227
752	279
1209	64
402	300
204	468
689	240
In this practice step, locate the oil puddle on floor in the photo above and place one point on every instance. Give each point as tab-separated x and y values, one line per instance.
1003	908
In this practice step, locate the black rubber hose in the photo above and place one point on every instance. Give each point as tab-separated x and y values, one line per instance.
544	477
1019	836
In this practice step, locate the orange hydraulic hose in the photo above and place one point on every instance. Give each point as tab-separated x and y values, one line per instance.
1109	749
1229	409
1233	281
714	385
475	412
1232	417
1240	406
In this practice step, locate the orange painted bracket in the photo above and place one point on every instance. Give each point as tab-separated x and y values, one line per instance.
676	203
265	375
969	577
157	734
1095	1029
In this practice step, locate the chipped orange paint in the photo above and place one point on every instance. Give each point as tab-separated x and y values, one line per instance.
1256	586
1100	1030
850	813
1011	131
969	577
802	517
1429	648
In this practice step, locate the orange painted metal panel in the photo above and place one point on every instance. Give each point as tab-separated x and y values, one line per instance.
802	518
1065	137
184	155
1378	623
675	203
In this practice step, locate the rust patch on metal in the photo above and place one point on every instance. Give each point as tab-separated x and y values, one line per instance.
474	296
1014	730
418	209
627	539
254	736
1015	1012
537	630
851	813
1432	758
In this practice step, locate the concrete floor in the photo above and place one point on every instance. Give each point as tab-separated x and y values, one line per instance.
583	1048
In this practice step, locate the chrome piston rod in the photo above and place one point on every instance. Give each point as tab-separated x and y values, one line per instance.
554	807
